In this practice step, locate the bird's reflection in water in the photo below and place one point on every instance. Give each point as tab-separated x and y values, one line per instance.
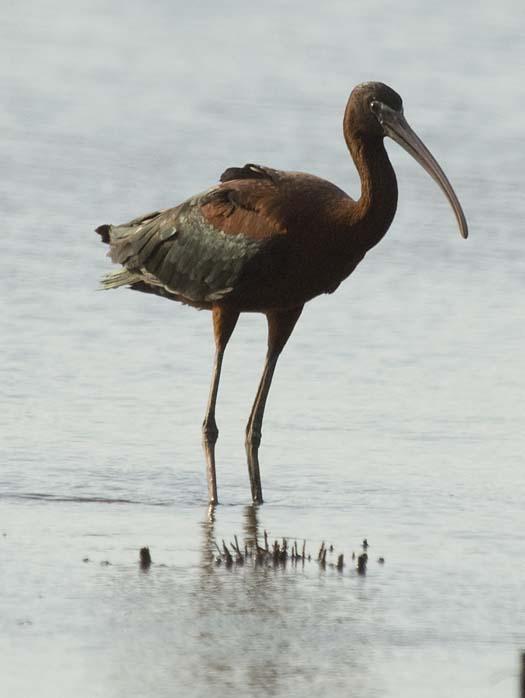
209	541
243	612
251	523
208	538
273	629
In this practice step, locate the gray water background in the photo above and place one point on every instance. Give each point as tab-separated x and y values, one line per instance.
398	406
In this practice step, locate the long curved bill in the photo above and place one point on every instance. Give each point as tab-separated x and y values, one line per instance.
396	126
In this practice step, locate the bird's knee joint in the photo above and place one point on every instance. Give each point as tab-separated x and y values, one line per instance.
253	438
210	431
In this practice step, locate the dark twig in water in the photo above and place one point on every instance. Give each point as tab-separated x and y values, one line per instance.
361	563
280	552
237	549
145	558
227	555
240	558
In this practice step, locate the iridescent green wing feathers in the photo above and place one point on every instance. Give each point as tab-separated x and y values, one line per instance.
193	251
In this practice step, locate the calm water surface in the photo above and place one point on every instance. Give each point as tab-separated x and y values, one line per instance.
398	406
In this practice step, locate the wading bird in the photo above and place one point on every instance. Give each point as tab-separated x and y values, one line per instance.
268	241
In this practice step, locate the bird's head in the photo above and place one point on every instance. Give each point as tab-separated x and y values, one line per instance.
374	111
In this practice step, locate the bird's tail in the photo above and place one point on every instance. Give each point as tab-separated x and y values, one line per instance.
125	247
103	231
124	277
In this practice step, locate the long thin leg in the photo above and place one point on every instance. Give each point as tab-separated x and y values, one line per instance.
280	326
210	432
254	427
224	321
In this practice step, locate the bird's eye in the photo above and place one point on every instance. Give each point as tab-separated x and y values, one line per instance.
375	106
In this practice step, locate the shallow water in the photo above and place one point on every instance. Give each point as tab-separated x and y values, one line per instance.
398	406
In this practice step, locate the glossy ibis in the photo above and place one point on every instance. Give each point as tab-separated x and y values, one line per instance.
268	241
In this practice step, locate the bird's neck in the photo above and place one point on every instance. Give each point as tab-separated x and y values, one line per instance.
375	209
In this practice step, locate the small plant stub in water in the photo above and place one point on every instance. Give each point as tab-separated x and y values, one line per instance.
145	558
361	563
281	553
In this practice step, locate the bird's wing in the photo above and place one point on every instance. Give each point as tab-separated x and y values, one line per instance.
200	249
